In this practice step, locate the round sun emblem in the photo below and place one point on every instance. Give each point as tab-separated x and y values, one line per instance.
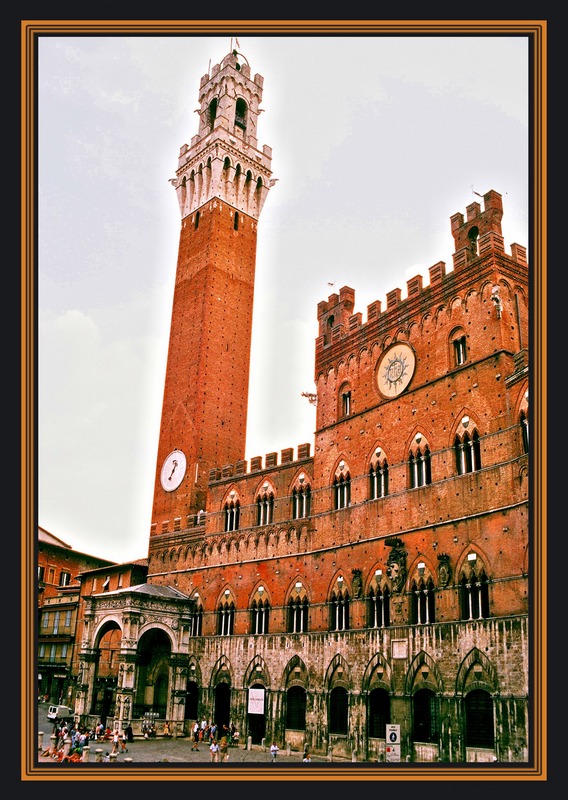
395	369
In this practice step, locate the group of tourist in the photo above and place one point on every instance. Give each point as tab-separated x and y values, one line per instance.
206	731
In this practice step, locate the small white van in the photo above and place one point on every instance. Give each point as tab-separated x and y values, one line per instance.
59	712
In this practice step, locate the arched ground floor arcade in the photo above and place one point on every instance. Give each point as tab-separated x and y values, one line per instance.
453	692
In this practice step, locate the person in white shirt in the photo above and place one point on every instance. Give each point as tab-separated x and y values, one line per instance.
214	750
274	751
195	732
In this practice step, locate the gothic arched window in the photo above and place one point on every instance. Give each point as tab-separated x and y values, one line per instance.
212	113
296	708
232	515
460	350
378	713
422	602
342	490
473	238
479	724
264	508
468	453
474	594
338	710
378	479
260	613
298	606
425	717
241	113
196	620
226	616
301	501
339	610
378	606
419	467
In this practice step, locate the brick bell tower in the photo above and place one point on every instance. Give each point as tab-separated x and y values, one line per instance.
221	183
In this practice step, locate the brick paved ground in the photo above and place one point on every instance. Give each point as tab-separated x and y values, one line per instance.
179	751
160	749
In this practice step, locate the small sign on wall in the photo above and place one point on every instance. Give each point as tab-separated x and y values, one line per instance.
392	748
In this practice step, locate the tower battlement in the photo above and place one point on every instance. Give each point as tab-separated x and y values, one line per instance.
476	236
239	469
223	159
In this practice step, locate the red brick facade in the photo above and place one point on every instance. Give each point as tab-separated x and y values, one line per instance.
206	388
381	579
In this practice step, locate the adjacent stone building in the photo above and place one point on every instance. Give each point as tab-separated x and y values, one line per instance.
369	598
59	567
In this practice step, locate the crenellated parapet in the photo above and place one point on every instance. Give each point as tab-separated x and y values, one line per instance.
479	244
239	469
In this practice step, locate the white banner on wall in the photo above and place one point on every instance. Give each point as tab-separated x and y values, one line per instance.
256	701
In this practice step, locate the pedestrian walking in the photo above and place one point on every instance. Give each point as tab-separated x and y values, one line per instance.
195	733
274	751
124	741
214	750
306	756
224	744
115	741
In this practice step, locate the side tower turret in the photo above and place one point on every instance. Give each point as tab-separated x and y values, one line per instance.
221	183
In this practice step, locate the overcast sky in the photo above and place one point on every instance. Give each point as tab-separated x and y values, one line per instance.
376	142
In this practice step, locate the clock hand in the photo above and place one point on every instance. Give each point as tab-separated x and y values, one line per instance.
175	463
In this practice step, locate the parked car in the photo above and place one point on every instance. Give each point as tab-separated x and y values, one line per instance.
59	713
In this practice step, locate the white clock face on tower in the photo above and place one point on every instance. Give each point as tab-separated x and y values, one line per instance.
173	470
395	369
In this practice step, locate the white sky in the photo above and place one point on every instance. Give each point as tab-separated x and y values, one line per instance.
376	142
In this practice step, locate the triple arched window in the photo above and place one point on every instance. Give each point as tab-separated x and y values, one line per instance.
260	613
297	621
339	610
419	467
474	594
468	452
378	607
301	501
196	619
422	602
378	479
226	617
342	490
232	515
264	508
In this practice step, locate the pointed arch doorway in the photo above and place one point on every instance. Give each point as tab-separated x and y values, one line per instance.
222	714
257	713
